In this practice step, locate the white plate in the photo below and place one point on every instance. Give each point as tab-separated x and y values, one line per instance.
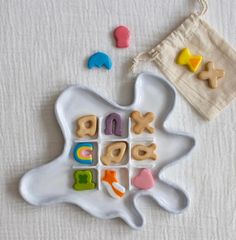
52	182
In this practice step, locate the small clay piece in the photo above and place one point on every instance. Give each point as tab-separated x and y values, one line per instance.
83	180
114	153
113	124
83	153
87	126
110	181
122	37
99	59
141	122
141	152
186	58
144	180
211	74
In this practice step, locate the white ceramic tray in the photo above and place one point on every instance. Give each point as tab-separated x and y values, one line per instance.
52	182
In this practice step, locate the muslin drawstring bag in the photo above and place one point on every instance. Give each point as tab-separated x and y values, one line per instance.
194	33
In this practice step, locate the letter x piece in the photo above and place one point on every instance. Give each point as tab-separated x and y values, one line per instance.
141	122
211	74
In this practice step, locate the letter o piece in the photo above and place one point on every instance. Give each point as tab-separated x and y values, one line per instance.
114	153
86	126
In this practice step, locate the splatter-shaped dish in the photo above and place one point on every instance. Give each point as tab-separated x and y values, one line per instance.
113	154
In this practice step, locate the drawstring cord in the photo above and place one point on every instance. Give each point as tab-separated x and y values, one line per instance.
143	57
204	6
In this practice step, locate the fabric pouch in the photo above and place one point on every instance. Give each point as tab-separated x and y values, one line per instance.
194	33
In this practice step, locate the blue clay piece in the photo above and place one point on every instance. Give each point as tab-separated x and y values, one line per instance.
99	59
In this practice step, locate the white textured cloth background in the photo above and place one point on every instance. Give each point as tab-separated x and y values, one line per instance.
43	48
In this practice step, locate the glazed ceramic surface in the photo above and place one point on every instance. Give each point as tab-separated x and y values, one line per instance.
52	182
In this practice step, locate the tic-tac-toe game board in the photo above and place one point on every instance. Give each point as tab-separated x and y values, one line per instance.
113	154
